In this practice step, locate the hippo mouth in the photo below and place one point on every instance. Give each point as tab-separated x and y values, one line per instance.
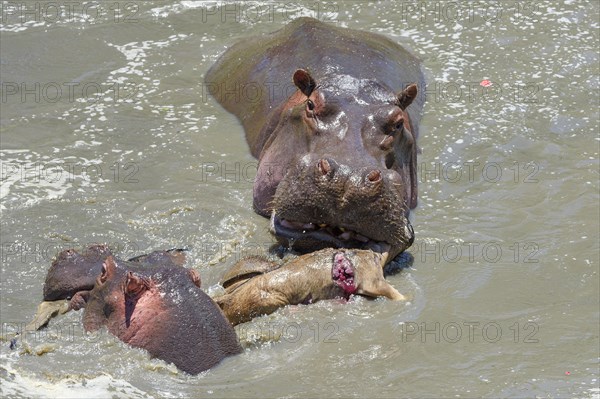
320	235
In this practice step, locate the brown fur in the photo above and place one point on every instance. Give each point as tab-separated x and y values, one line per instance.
305	279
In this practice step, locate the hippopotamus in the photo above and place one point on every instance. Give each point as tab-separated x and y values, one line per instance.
337	154
72	271
150	302
255	286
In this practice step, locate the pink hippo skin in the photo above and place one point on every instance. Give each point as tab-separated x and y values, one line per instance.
150	302
162	310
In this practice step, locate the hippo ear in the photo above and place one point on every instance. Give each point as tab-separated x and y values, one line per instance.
108	269
304	81
406	96
195	276
135	284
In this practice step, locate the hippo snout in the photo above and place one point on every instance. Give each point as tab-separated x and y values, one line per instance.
348	179
327	202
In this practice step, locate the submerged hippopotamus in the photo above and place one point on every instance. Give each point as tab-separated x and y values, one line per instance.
72	271
338	154
149	302
255	287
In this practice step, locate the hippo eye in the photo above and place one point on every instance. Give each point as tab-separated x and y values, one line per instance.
399	126
310	105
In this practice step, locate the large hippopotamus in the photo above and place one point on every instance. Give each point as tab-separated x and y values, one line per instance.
150	302
337	153
255	286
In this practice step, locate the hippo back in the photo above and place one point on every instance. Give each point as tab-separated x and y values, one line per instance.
192	332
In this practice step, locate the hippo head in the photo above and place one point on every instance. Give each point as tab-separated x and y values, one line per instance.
339	167
119	290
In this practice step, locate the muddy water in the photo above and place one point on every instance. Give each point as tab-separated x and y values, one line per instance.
107	136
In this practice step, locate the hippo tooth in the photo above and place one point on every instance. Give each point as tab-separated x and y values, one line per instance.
288	224
361	238
323	225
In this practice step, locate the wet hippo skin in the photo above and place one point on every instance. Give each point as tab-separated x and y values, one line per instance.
150	302
162	310
334	123
73	271
325	274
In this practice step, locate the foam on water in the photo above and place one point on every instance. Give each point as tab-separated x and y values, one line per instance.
28	178
21	384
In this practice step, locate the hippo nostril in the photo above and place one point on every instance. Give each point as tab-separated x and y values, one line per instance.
374	176
386	143
324	166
